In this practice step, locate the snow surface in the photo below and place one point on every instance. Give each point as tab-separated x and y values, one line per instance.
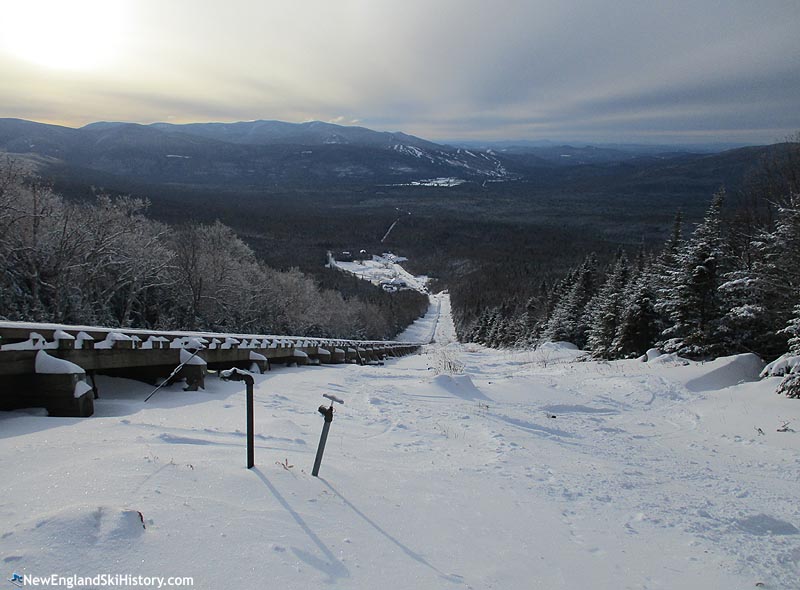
784	364
189	358
424	328
82	337
651	354
385	267
111	338
35	342
188	342
81	388
514	470
50	365
441	181
151	340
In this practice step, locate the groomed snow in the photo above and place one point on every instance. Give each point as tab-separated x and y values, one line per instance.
384	268
460	467
424	328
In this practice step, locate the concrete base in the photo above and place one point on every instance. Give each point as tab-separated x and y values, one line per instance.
80	407
195	376
56	393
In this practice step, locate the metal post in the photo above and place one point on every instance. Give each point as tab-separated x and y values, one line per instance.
239	375
327	413
250	435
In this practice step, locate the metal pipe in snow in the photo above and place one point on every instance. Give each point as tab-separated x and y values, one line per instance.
321	448
327	413
239	375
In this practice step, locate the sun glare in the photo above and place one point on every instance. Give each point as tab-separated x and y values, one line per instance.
63	34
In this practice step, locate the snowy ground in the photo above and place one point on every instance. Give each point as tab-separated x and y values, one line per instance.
441	181
424	329
385	267
527	470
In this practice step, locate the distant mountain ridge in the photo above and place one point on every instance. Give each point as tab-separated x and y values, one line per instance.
279	154
264	132
249	153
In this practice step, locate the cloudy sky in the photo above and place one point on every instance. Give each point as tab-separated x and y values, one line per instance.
595	70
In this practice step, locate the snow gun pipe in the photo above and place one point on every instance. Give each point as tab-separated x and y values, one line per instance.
327	413
239	375
175	372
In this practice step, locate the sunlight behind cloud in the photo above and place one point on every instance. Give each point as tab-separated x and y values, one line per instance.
453	69
75	35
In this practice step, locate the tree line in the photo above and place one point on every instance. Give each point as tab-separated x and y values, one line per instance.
730	285
107	263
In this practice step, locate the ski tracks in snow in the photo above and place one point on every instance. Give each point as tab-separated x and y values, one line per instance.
458	467
618	444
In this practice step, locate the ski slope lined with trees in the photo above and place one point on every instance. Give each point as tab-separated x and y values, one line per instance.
106	263
617	426
462	467
727	286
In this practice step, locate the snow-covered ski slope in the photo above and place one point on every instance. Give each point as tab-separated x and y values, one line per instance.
424	329
384	269
523	470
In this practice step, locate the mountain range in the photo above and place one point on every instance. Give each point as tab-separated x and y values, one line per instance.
276	153
248	153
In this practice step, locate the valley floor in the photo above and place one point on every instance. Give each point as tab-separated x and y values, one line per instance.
459	467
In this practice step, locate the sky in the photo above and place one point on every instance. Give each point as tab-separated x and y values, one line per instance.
600	71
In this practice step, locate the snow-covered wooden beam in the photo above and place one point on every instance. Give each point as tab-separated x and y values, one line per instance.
151	355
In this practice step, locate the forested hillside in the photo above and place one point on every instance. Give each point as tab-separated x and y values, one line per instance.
726	286
503	249
104	262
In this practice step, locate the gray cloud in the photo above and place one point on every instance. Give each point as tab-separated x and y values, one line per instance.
449	68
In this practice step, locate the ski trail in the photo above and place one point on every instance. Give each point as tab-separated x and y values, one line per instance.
459	467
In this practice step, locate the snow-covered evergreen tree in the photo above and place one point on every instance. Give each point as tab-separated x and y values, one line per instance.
567	322
486	328
693	305
664	272
761	292
495	337
638	323
603	311
534	317
793	330
790	385
752	312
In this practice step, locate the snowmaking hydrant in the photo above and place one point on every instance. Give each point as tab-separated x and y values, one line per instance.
327	413
239	375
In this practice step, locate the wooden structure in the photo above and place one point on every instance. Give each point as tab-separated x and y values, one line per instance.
28	379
